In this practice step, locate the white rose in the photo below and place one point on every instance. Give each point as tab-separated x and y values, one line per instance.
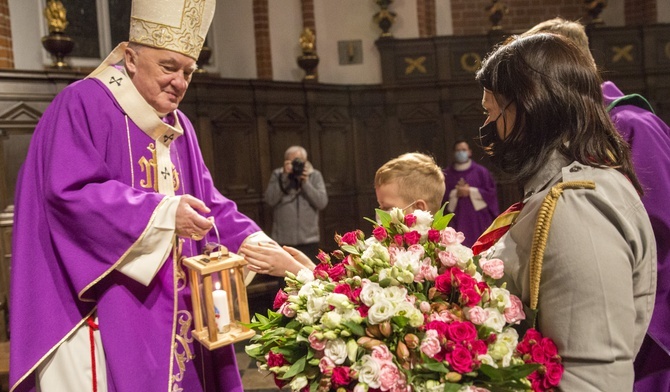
376	252
368	372
381	311
495	321
424	220
298	383
370	292
339	301
406	260
352	315
336	350
305	276
331	319
461	252
416	318
307	290
499	298
403	308
487	360
305	318
316	306
395	294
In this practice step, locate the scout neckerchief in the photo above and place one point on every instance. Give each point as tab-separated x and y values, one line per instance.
498	228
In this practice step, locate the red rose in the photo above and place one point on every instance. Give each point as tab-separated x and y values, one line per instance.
279	383
337	272
350	238
340	376
343	289
323	257
280	298
321	271
443	283
440	327
549	347
380	233
433	235
538	355
355	295
412	237
469	296
552	375
363	310
276	359
410	220
398	239
478	347
461	359
462	332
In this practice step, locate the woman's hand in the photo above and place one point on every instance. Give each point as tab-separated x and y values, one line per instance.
270	259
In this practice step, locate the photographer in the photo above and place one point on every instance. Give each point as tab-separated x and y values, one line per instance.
297	193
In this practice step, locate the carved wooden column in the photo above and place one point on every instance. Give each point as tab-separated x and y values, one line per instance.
6	52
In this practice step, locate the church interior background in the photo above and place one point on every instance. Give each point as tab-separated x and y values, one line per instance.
369	80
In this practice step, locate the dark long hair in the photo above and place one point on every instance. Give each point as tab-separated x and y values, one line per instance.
559	106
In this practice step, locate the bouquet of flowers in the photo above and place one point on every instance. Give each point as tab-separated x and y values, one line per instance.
407	309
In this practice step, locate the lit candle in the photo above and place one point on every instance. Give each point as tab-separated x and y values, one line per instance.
221	308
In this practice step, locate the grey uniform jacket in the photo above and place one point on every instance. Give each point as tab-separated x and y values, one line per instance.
598	276
296	212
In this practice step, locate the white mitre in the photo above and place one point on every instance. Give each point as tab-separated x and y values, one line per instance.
177	25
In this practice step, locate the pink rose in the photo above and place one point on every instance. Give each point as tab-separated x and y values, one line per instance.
451	237
410	220
424	307
380	233
326	365
514	312
549	347
388	376
447	259
316	344
478	315
341	376
398	239
427	270
323	257
538	355
494	268
350	238
417	249
412	237
431	343
382	353
478	347
286	310
433	235
461	359
280	299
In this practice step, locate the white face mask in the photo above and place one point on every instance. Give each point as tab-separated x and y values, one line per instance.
461	156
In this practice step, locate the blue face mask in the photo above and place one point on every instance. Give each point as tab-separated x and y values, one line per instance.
461	156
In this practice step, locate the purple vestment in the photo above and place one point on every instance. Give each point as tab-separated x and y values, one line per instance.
84	196
649	138
472	223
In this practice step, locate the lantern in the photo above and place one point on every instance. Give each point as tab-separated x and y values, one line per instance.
219	297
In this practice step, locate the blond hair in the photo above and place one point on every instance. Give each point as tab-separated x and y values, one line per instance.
417	176
574	31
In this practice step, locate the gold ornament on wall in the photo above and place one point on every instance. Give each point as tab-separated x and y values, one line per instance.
57	43
309	59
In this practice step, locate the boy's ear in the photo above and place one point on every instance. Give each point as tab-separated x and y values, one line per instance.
421	204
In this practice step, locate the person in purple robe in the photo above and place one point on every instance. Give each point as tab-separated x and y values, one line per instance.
649	140
112	196
471	193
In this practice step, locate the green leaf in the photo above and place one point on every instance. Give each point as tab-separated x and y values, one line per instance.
435	367
443	222
296	368
384	217
451	387
350	249
355	328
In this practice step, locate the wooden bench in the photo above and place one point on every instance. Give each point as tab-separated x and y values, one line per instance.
4	366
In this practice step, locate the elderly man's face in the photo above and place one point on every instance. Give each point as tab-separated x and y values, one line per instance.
160	76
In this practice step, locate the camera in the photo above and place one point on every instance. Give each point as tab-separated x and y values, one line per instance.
298	167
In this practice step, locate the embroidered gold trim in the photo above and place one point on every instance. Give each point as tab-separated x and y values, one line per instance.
130	154
123	256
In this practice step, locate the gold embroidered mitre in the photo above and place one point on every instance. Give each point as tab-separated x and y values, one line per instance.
177	25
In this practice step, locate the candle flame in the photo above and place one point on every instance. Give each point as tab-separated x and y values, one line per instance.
217	285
